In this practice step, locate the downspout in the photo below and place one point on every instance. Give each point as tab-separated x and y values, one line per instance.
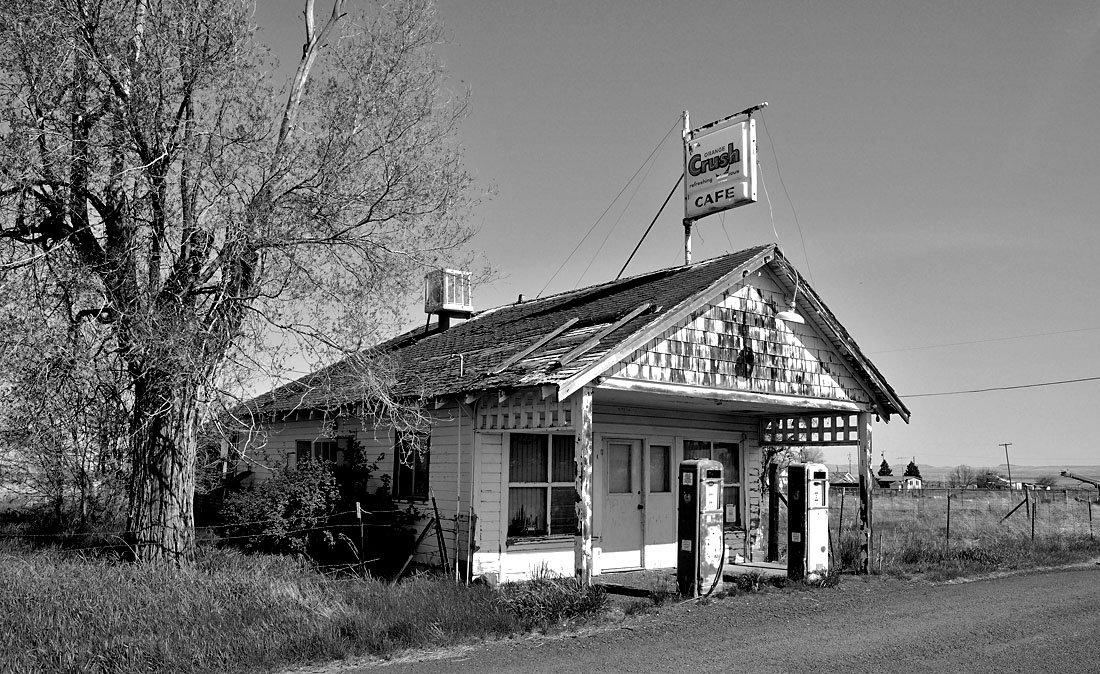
458	493
458	477
470	547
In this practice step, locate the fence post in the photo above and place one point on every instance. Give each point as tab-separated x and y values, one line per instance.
840	524
1091	537
949	518
362	553
1033	509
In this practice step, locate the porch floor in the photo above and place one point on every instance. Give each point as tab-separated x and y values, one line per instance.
647	582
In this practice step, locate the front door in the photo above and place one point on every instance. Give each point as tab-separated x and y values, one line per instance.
623	514
660	504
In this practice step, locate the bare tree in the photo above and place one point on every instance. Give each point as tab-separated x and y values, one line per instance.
216	228
811	455
962	477
63	426
1047	481
783	457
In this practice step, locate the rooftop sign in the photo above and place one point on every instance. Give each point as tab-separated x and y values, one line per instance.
719	167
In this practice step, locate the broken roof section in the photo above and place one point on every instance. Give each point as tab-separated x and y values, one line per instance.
570	339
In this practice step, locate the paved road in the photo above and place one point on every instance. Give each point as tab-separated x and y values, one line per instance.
1039	622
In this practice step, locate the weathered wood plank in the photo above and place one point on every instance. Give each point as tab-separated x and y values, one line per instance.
583	455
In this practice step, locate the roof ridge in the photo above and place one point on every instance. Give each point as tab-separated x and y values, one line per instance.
646	274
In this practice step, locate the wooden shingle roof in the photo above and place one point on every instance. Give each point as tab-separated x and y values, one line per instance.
563	339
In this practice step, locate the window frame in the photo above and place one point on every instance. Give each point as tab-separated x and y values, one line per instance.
738	523
549	485
419	473
340	444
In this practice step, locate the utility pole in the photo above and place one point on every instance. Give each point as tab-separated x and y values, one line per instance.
1006	445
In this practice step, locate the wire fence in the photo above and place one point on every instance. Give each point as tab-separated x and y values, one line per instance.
365	537
967	515
958	516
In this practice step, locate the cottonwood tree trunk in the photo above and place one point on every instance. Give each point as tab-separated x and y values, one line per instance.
161	516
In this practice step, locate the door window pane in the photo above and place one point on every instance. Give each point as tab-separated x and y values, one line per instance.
659	478
619	468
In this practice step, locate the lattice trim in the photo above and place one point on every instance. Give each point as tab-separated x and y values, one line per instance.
811	430
525	411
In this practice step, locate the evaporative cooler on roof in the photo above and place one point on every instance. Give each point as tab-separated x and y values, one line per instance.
447	292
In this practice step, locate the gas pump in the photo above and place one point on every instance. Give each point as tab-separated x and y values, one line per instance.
807	521
699	526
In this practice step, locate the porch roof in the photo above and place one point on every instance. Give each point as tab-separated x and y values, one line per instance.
565	340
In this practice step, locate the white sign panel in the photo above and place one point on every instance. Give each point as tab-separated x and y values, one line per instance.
719	168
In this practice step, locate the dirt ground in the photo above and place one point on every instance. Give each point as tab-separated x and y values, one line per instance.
1034	622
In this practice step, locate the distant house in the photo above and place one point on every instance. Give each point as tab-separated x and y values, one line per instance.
845	482
901	483
559	422
1031	486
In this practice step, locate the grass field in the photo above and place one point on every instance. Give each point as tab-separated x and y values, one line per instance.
64	612
70	611
945	534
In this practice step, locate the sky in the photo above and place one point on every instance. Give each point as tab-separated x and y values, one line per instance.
931	167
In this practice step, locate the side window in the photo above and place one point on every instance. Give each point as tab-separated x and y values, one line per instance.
333	450
411	456
541	485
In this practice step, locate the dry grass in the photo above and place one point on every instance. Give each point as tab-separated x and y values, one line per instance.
914	535
61	612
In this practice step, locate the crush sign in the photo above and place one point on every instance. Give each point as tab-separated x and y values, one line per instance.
719	167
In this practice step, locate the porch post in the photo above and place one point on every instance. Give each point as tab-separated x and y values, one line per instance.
582	427
866	484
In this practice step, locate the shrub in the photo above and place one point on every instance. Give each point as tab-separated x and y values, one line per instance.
546	599
311	510
287	513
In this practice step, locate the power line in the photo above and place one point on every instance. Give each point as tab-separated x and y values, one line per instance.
593	227
667	199
794	212
615	226
1003	388
984	341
